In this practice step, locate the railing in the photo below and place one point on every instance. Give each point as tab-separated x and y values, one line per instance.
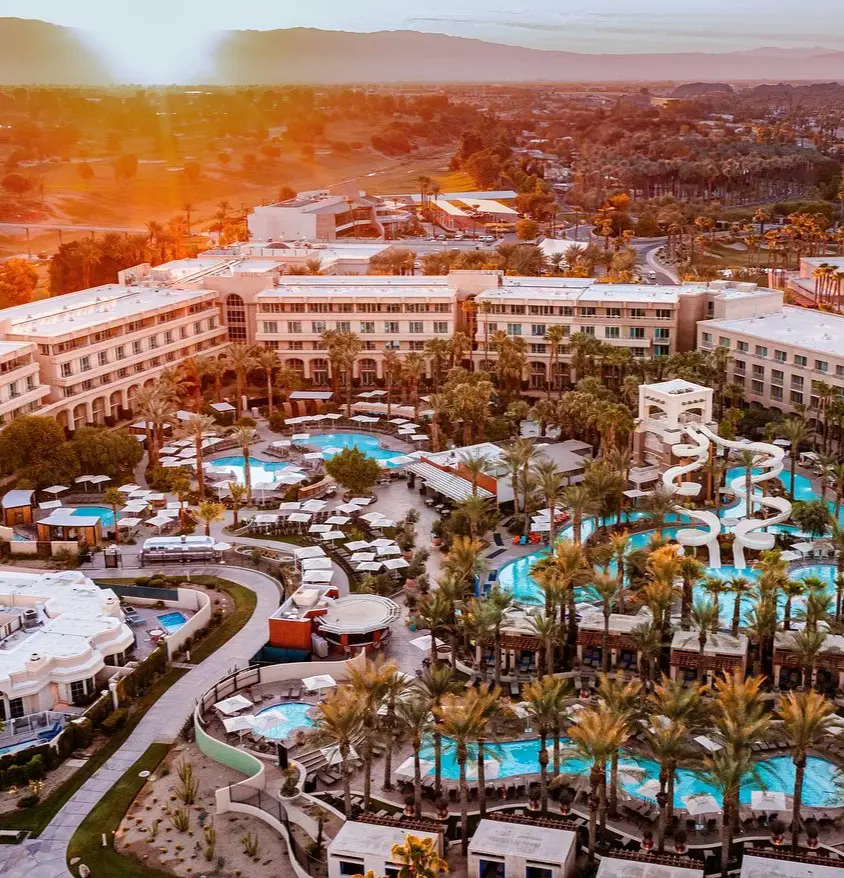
32	722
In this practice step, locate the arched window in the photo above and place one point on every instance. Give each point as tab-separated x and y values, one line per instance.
236	318
296	365
537	375
319	372
368	372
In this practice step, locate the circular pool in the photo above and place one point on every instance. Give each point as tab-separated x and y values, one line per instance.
366	443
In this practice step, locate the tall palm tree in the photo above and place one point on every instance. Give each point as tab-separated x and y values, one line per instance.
391	365
340	719
791	588
807	719
658	505
607	590
691	570
215	369
543	703
237	492
624	698
477	510
462	721
481	619
437	351
464	561
394	686
724	771
515	459
113	498
474	465
413	371
196	428
715	586
572	570
669	745
549	478
581	503
438	682
414	715
547	628
807	647
267	360
156	410
739	586
619	544
704	618
245	436
796	432
500	602
648	640
240	359
435	610
191	372
489	707
556	338
210	511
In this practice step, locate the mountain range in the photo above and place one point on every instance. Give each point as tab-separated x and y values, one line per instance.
38	52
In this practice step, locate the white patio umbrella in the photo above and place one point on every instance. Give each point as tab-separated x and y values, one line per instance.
239	724
361	501
357	545
100	480
368	567
701	804
338	519
382	522
281	443
396	564
266	722
708	743
333	756
300	437
233	705
299	517
649	788
128	522
492	768
389	550
423	642
351	508
304	552
159	520
57	489
333	535
372	516
407	768
50	504
767	800
359	557
323	563
290	506
418	437
314	505
332	449
399	421
382	541
221	547
127	489
333	416
317	575
319	682
319	528
313	455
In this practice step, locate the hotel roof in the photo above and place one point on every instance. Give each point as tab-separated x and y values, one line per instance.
573	290
80	312
816	331
535	843
358	839
12	347
383	286
768	867
612	867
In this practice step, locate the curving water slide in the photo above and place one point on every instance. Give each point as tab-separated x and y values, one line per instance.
750	533
671	480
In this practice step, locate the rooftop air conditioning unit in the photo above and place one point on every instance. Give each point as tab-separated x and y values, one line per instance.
30	618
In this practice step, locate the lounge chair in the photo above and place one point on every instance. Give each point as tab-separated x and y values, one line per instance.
498	539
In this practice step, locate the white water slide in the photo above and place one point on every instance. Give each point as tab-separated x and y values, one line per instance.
750	533
672	481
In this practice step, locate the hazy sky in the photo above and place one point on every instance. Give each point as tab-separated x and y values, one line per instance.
168	36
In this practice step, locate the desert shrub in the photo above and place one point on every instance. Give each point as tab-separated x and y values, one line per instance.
115	720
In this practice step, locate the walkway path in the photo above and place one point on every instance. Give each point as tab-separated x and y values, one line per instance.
46	856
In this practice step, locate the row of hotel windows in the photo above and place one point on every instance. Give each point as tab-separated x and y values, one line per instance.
317	345
352	308
85	364
17	363
136	369
538	330
392	327
582	311
16	413
779	356
18	388
128	328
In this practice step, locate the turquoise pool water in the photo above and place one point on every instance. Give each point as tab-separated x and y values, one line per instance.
290	716
21	745
105	514
777	774
261	472
366	443
171	622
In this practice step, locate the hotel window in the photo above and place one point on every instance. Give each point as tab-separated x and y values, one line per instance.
761	350
136	347
84	364
102	358
661	332
797	381
706	337
417	345
742	346
638	352
839	371
392	345
492	327
294	327
738	366
537	329
538	871
344	326
67	370
567	311
514	329
780	356
776	376
391	327
393	308
30	382
821	366
347	868
517	309
15	708
152	344
663	313
800	360
441	327
637	332
543	310
661	350
588	312
318	326
758	387
13	390
613	312
758	371
724	342
367	328
612	332
183	332
776	393
796	397
538	348
637	312
491	869
271	326
442	308
197	327
168	337
588	330
416	327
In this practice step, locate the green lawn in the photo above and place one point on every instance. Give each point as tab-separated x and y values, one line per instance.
105	818
35	819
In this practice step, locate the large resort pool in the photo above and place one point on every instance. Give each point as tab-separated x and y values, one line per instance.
366	443
518	758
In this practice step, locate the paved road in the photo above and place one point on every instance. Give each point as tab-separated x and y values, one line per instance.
49	227
46	856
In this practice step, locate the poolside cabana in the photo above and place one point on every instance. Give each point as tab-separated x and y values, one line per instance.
590	638
829	665
722	652
62	525
17	507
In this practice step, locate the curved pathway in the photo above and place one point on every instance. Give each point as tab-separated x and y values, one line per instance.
46	856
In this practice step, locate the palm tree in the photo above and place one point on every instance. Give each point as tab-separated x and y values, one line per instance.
796	432
475	465
556	338
191	371
477	510
807	646
515	459
438	351
739	586
394	686
419	858
500	602
607	590
581	503
704	618
240	358
648	640
267	359
237	492
619	544
598	733
791	588
114	498
245	436
196	428
549	479
438	682
547	628
391	365
464	561
413	370
669	745
435	610
658	505
714	586
461	721
341	720
543	703
623	697
691	571
489	707
807	719
349	349
724	772
414	715
215	369
210	511
156	409
480	619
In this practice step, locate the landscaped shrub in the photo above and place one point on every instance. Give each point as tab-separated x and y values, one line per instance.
15	776
83	732
28	800
35	768
115	720
276	421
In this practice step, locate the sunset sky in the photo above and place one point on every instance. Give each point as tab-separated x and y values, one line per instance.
170	37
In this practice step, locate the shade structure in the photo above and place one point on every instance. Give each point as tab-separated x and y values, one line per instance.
351	508
338	519
708	743
368	567
233	705
333	416
313	455
701	804
128	522
649	788
298	420
382	541
788	555
389	550
323	563
319	528
399	421
317	575
288	478
492	768
332	449
360	557
50	504
127	489
281	443
361	501
265	723
767	800
400	460
100	480
407	768
57	489
448	484
159	520
782	443
239	724
396	564
423	642
265	518
357	545
333	756
363	419
318	682
290	506
309	552
300	437
221	547
314	505
372	516
333	535
299	517
382	522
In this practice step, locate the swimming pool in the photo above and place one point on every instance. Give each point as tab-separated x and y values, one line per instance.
366	443
21	745
290	716
777	774
172	622
104	513
261	472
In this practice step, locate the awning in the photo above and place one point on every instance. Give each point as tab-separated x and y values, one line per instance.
323	395
449	485
223	407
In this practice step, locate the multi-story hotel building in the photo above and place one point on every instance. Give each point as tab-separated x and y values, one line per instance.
96	348
21	390
778	354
